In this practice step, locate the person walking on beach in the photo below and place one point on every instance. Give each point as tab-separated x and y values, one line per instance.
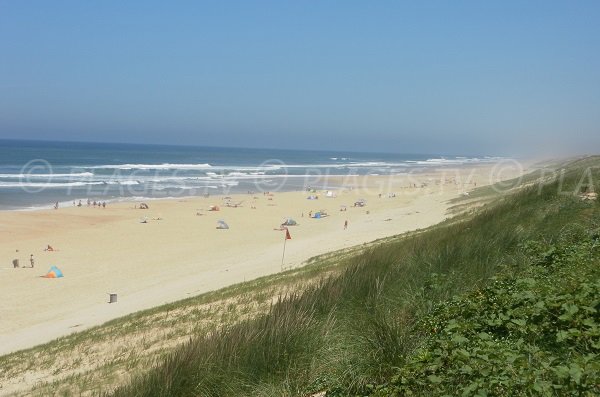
345	224
31	260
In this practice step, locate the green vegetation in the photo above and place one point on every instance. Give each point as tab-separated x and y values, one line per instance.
536	333
500	302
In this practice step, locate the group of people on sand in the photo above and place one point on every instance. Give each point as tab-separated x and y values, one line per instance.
99	204
92	203
16	261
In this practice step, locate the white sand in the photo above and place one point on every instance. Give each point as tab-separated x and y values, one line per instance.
103	251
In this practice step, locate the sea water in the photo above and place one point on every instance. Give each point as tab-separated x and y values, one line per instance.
37	174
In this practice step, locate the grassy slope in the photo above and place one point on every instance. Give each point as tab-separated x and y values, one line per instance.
532	333
357	327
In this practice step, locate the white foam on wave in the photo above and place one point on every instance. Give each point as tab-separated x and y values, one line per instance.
240	170
46	184
163	166
124	183
178	178
347	165
235	174
458	160
47	176
180	187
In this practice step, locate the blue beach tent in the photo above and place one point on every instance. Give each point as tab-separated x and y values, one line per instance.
54	272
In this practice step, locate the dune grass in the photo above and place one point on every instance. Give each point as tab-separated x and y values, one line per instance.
532	333
355	328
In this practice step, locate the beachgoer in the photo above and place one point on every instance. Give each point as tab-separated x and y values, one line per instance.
88	202
31	260
79	205
15	261
104	204
345	224
49	248
56	205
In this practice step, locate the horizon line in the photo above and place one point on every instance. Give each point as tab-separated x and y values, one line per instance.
238	147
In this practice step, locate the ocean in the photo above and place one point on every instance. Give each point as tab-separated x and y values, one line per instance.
37	174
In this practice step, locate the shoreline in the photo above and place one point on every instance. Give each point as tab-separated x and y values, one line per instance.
230	184
104	251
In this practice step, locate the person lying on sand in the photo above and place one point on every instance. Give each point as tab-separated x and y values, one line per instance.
49	248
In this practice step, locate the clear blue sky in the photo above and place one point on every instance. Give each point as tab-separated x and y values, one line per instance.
434	76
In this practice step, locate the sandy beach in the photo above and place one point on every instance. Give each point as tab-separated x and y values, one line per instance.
179	252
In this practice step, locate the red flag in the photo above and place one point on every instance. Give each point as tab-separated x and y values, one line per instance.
287	234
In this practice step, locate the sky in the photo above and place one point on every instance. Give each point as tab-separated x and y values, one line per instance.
462	77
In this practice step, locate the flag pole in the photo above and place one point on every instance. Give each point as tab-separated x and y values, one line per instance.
286	237
283	255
